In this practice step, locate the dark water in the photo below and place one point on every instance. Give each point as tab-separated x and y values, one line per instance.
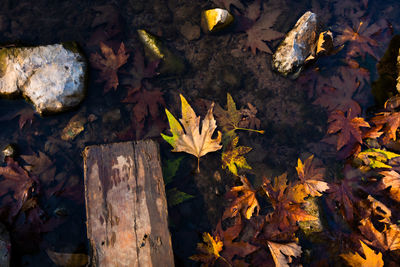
215	65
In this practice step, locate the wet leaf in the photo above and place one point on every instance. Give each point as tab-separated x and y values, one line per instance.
176	197
376	158
390	122
189	139
26	115
209	250
391	179
388	239
249	119
74	127
346	126
311	177
371	258
170	167
68	259
283	253
244	200
232	157
108	64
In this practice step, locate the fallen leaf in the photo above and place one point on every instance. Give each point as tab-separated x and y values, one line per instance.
176	197
26	115
283	253
376	158
380	209
189	139
346	126
249	119
390	122
371	258
68	259
244	200
108	64
261	31
40	165
232	157
311	177
209	250
391	179
388	239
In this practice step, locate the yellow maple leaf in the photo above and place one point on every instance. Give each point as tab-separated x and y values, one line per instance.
233	158
189	139
371	258
209	250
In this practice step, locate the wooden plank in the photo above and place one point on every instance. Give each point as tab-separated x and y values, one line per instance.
126	207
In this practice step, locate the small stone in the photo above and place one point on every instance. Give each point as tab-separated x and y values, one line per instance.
189	31
74	127
216	19
298	45
10	151
52	76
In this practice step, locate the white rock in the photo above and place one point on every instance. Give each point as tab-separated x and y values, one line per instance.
297	46
52	76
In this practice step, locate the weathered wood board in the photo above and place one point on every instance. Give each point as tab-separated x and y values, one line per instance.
126	207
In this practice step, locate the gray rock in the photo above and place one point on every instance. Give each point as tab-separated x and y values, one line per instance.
297	46
5	246
52	76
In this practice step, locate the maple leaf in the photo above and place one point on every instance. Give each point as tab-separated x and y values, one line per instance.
360	38
371	258
377	208
388	239
390	121
147	103
189	139
108	64
347	126
311	177
337	93
283	197
244	200
40	165
391	179
249	119
261	31
283	253
209	250
26	115
232	157
234	248
229	119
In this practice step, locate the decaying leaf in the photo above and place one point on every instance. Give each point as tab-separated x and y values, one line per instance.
209	250
371	258
379	209
311	177
391	179
74	127
249	119
232	157
376	158
68	259
26	115
244	200
346	126
108	64
176	197
283	253
189	139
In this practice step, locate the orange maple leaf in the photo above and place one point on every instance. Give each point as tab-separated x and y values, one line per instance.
391	179
311	177
346	126
108	64
388	239
390	122
244	200
209	250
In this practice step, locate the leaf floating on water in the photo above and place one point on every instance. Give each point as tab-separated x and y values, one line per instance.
283	253
209	250
371	258
311	177
232	157
189	139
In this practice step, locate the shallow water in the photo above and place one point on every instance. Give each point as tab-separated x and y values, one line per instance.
289	111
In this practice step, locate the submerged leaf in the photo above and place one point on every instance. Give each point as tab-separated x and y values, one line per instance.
68	259
233	157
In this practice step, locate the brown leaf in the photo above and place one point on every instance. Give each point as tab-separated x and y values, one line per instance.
283	253
391	179
209	250
244	200
41	165
233	157
311	177
262	31
346	126
26	115
388	239
249	119
390	122
108	64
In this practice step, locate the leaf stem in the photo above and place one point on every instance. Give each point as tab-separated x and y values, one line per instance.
230	265
198	164
250	130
